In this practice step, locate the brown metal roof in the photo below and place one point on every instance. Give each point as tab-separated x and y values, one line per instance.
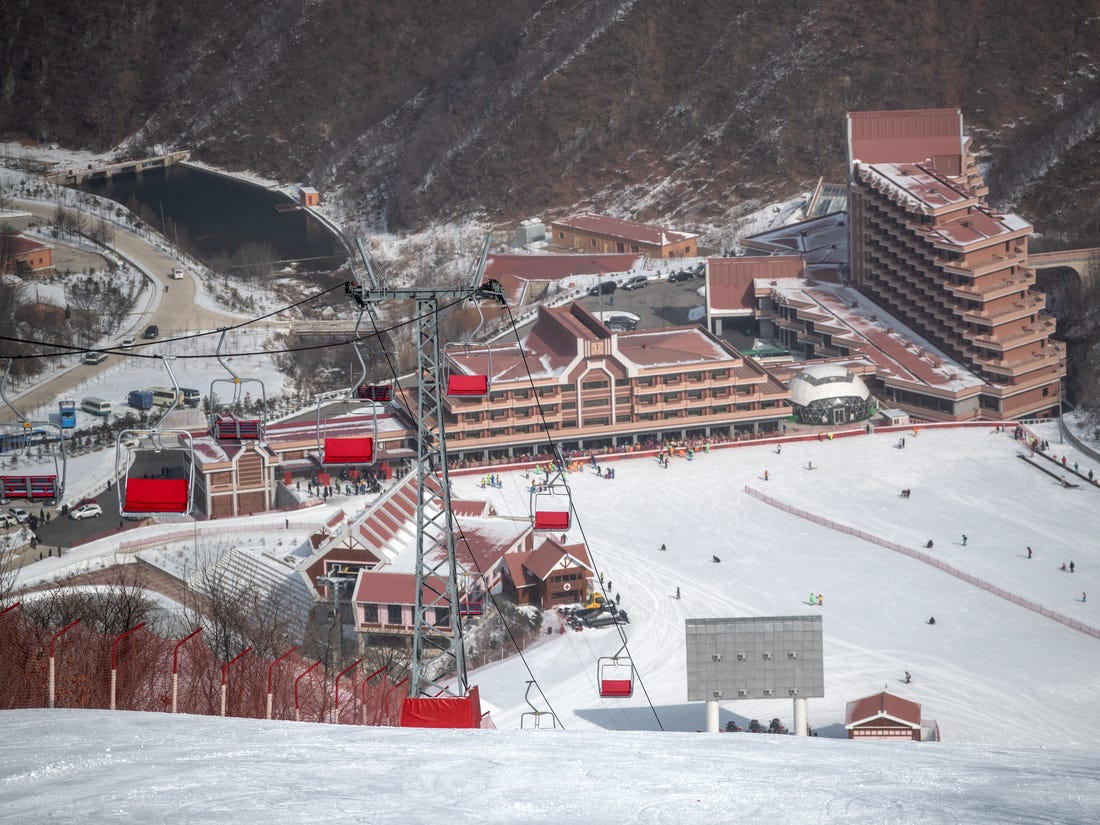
729	280
904	135
395	588
883	706
558	267
626	230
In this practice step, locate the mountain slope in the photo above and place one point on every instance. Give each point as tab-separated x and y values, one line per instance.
691	111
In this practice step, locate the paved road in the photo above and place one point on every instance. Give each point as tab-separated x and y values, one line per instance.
171	309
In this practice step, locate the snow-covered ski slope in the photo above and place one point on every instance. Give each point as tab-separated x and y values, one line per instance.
988	671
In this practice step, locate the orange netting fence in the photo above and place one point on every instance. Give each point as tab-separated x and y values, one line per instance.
77	667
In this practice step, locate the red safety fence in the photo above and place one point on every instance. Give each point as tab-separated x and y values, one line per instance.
184	676
930	560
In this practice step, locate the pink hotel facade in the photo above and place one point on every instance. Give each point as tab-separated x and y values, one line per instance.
597	389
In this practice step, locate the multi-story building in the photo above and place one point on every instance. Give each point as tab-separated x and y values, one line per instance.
589	232
926	246
574	380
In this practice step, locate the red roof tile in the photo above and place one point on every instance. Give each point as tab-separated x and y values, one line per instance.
883	705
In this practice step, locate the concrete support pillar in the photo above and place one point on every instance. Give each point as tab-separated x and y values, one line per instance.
712	716
800	728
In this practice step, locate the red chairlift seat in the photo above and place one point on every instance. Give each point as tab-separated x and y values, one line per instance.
36	488
374	392
469	386
156	495
231	428
348	450
554	520
616	677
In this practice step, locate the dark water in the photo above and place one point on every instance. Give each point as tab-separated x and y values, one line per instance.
214	217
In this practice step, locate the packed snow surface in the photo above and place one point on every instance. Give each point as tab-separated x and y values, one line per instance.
1012	691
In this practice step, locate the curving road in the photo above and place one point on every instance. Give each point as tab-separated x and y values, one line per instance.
174	308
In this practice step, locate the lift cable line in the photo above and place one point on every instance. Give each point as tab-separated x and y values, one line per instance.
560	464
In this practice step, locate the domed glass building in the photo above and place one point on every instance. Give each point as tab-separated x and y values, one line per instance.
829	394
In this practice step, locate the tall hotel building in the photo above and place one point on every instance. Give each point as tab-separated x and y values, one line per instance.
927	247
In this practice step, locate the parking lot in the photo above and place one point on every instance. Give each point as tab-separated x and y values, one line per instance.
660	304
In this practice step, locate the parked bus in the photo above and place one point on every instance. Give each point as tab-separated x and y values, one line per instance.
190	397
164	396
96	406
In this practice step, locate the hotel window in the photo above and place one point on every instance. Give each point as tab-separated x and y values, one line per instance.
594	385
596	402
370	613
598	422
393	614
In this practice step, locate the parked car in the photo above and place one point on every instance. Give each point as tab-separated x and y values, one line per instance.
8	520
680	275
603	288
636	282
624	321
151	331
127	343
700	270
20	515
86	511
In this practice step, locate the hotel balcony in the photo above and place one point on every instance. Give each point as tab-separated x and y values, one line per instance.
1028	305
984	267
1012	369
994	289
1038	331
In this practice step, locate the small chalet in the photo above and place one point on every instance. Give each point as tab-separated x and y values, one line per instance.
590	232
883	716
308	196
22	255
233	479
553	573
385	602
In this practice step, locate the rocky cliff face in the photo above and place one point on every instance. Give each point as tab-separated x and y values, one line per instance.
686	111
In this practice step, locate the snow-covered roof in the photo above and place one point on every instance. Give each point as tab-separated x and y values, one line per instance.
820	381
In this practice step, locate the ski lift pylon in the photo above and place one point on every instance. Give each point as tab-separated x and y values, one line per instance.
160	494
616	675
355	449
227	425
39	487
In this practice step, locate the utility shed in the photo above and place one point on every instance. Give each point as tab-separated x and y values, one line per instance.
883	716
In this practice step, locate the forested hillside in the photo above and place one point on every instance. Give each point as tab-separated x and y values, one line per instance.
689	111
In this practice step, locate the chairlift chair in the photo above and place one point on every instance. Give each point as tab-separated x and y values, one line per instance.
616	675
225	424
341	450
463	384
39	487
157	495
550	507
532	719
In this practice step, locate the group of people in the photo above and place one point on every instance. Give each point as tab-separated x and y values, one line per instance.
1071	567
817	600
905	493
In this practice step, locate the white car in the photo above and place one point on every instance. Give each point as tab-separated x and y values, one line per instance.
177	273
8	520
127	343
21	515
86	511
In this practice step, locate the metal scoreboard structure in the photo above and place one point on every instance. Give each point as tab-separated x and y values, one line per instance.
757	657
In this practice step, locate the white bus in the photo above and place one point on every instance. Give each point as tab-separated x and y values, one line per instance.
164	396
96	406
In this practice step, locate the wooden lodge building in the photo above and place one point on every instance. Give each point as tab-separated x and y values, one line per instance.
883	716
589	232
